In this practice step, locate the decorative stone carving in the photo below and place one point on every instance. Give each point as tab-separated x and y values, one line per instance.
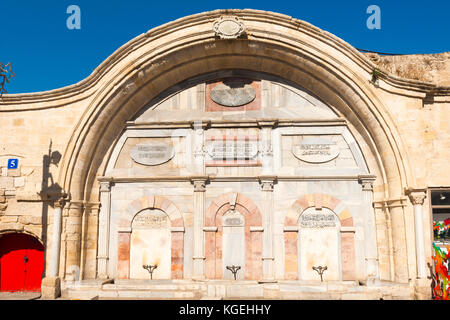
105	185
199	184
267	185
228	27
233	219
316	150
60	203
232	150
318	219
152	153
233	93
267	182
366	182
233	198
151	219
417	198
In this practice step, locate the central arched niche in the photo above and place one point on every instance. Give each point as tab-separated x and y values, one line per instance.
150	244
234	217
233	244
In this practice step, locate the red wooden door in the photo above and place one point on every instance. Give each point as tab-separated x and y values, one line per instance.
21	263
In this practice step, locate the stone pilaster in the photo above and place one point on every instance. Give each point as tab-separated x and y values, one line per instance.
401	273
199	238
417	197
199	146
103	228
371	256
89	219
73	240
266	149
267	185
394	209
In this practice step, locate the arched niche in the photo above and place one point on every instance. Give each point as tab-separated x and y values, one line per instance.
341	243
150	245
170	219
318	244
233	244
233	206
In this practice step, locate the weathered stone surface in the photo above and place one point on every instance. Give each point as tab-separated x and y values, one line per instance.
8	219
51	288
6	182
36	220
19	182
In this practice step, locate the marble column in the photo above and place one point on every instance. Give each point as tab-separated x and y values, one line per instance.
370	238
103	228
199	238
267	183
53	270
417	197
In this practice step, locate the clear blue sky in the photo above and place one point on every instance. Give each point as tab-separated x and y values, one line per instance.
46	55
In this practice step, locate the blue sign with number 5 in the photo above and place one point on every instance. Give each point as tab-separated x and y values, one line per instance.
13	163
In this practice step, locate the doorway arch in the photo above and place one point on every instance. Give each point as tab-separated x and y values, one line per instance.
21	262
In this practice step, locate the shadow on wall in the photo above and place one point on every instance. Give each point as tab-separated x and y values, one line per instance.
50	191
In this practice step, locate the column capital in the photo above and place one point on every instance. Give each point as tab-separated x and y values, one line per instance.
416	196
59	203
199	183
269	123
105	183
267	182
74	205
367	181
200	125
92	207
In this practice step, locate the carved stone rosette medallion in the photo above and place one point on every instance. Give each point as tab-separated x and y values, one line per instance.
228	27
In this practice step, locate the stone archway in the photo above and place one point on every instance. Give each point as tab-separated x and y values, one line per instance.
347	233
231	202
21	262
176	237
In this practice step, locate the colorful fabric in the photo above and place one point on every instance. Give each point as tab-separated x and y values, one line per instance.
441	285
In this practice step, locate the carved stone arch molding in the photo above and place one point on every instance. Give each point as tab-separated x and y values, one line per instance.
275	44
177	234
252	230
291	229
